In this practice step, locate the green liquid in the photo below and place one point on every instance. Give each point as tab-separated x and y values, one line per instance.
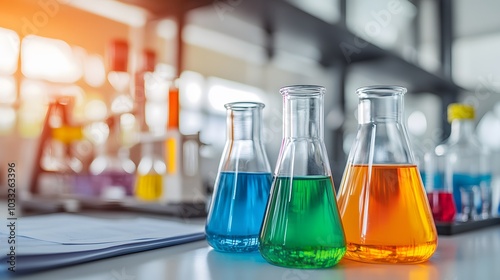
302	227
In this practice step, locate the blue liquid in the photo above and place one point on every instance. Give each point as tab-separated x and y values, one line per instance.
472	194
237	211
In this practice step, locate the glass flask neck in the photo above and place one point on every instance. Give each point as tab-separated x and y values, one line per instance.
303	112
244	150
243	120
380	104
461	129
382	137
303	151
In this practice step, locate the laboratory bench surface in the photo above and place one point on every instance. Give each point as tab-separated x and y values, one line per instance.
470	255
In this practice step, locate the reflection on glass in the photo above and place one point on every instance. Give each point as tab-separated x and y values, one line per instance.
355	270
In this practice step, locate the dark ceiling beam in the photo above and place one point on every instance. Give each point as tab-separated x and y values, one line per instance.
165	8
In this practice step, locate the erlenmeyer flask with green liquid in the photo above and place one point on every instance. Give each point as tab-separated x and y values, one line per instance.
302	226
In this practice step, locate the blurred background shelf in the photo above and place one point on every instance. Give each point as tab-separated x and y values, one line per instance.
291	29
277	26
456	228
47	205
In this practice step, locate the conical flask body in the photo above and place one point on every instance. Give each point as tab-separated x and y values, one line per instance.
242	185
382	202
302	226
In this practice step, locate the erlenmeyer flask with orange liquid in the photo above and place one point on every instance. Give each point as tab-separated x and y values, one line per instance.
382	201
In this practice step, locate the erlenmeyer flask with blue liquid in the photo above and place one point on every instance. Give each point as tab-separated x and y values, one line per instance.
242	184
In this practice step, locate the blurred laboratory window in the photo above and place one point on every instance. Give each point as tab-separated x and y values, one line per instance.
475	45
488	129
49	59
221	91
327	10
386	23
469	55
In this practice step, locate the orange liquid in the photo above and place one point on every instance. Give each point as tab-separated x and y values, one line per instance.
173	108
386	215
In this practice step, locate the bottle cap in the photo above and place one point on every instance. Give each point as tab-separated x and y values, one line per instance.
148	60
457	111
118	55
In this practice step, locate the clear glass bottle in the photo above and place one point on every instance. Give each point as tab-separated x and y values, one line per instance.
58	181
119	78
112	171
113	176
439	194
175	190
384	208
242	184
467	173
150	172
302	227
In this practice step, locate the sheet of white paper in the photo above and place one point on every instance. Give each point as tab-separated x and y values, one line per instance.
50	255
74	229
27	246
62	239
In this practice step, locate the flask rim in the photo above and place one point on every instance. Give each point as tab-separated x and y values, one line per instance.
381	91
244	105
302	90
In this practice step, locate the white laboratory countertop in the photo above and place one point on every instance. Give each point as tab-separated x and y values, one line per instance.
471	255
